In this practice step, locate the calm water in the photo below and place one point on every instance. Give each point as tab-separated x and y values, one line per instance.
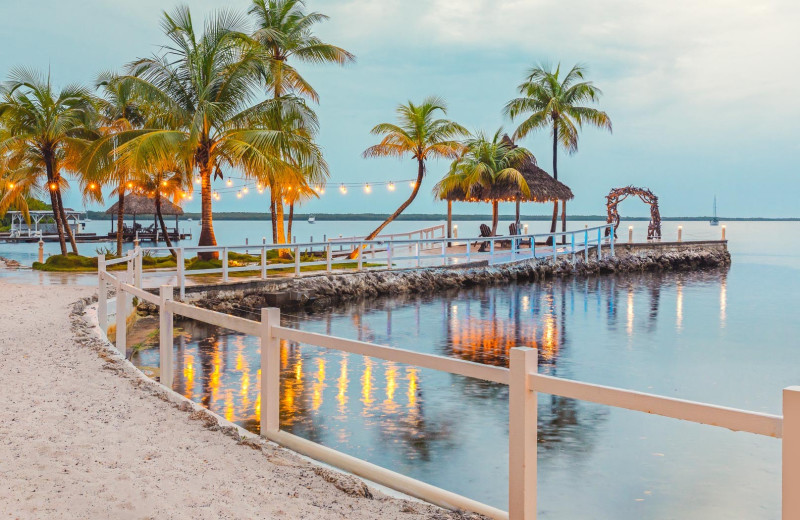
728	337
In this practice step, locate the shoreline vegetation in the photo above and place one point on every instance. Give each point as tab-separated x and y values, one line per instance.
350	217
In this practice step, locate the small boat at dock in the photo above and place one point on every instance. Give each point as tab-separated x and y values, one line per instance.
311	219
714	220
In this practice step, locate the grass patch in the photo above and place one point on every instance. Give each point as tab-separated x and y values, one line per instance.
67	263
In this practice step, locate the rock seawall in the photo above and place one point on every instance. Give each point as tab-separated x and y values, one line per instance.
315	292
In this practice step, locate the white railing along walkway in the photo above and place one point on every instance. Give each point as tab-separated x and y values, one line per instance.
522	377
394	253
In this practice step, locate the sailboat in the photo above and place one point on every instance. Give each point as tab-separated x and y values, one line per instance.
311	219
714	220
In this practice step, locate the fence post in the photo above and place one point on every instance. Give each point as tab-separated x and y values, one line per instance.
137	268
416	245
263	258
533	246
297	261
270	371
599	244
444	252
389	254
224	264
328	257
121	315
360	255
572	241
522	434
181	273
723	233
680	233
791	453
102	294
469	251
491	251
166	293
611	243
586	245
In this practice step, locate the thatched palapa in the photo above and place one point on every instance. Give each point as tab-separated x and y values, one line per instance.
141	205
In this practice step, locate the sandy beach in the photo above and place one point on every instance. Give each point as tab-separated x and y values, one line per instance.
83	437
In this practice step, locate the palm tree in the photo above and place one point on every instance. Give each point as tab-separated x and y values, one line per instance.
202	86
284	32
551	102
486	163
420	135
164	182
45	134
120	111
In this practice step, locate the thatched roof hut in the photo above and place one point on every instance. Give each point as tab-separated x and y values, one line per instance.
543	188
142	205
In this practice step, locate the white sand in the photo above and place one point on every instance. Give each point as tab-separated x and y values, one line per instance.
82	438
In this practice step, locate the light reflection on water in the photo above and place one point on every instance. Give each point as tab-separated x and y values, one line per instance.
682	335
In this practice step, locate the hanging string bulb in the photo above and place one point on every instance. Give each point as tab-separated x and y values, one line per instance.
390	186
198	180
260	189
229	182
53	186
189	197
238	194
216	195
343	189
163	183
10	185
245	189
130	185
321	190
367	188
413	184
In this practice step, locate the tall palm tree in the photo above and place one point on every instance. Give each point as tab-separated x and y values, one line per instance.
119	111
164	182
284	32
45	133
422	136
203	85
487	163
548	101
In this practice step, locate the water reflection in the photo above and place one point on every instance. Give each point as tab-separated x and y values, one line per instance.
428	424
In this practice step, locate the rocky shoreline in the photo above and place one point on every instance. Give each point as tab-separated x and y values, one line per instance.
317	292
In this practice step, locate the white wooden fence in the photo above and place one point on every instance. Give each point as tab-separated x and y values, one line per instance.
522	377
391	253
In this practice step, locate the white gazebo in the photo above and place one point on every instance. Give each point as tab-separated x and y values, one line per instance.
42	223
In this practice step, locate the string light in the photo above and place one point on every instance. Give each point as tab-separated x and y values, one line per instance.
245	189
53	186
343	189
367	188
390	186
189	197
260	189
216	195
198	180
11	185
130	185
413	184
230	182
238	194
183	195
91	186
163	183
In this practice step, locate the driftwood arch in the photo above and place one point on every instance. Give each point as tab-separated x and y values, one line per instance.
617	195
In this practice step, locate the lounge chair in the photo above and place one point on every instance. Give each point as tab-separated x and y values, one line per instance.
486	231
513	230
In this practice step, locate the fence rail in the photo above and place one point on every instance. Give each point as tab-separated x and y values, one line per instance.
381	253
522	377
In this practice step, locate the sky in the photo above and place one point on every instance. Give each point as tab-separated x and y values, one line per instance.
702	95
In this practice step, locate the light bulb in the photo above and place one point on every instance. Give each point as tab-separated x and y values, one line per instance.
260	189
412	184
343	189
367	188
163	183
390	186
245	189
229	182
198	180
238	194
53	186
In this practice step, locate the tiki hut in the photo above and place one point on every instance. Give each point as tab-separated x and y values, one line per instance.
543	188
135	205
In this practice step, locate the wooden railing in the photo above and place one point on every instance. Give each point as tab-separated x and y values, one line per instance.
393	253
522	377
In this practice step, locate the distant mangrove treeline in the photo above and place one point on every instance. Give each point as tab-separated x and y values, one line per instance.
247	215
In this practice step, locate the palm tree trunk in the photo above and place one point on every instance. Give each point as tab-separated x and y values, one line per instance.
403	206
67	230
163	225
283	253
57	219
120	218
207	237
291	220
555	176
273	213
495	216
